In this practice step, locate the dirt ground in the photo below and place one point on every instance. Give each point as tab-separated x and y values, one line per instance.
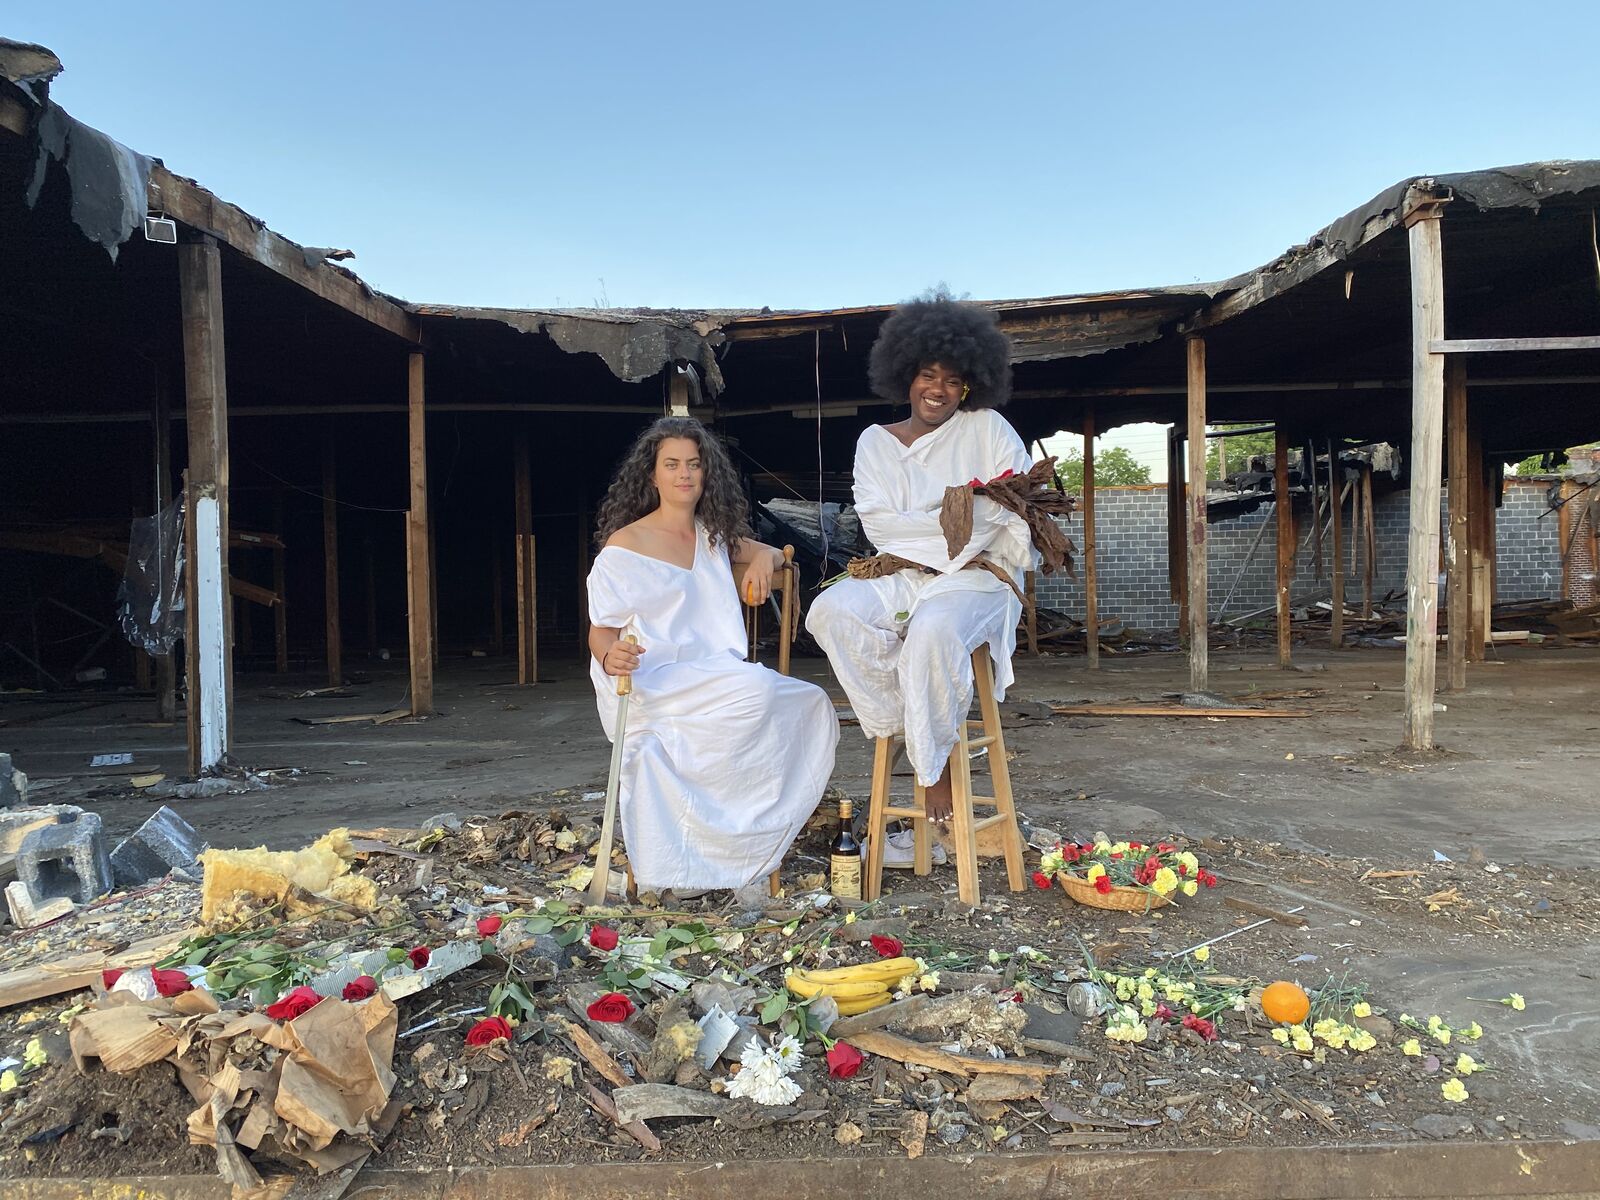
1309	804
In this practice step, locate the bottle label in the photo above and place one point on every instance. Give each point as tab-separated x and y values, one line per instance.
845	875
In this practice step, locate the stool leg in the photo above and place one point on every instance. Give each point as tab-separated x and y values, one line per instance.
999	768
922	836
964	836
773	886
877	822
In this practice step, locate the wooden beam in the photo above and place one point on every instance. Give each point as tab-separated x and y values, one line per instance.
1199	666
1091	591
1369	535
188	202
1457	552
280	611
1285	541
1492	345
527	566
1177	563
1336	579
206	404
330	561
1427	430
419	562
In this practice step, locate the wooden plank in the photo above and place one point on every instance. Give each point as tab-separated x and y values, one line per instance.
1285	541
1199	666
419	564
206	407
188	202
1168	710
280	611
1495	345
905	1050
1261	910
1427	430
1459	598
1091	597
527	567
330	561
81	970
1336	579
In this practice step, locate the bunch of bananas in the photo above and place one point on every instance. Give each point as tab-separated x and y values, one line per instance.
854	989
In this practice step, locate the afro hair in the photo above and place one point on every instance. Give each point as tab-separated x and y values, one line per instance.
938	329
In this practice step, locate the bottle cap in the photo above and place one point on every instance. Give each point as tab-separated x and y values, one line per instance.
845	807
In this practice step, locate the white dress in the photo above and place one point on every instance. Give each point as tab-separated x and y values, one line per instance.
723	760
901	645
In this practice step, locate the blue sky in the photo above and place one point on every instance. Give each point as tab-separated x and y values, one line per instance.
821	155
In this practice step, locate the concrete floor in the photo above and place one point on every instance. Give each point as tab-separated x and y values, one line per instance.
1515	778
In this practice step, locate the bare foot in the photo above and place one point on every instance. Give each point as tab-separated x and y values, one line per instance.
937	802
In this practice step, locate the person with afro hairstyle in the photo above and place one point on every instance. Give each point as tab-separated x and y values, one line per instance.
723	759
901	645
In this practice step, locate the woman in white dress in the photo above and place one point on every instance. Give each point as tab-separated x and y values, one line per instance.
724	760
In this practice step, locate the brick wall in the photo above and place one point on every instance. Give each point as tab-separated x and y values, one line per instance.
1130	525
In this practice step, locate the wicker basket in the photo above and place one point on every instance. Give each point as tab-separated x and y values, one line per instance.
1121	899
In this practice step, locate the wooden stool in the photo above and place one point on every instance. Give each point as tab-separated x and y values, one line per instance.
964	827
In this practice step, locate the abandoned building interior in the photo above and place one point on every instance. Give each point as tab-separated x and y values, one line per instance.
362	478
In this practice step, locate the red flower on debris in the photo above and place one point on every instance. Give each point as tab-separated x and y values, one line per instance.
1182	869
490	1029
171	983
1070	852
1206	1029
1207	878
1135	845
1165	847
108	979
612	1007
1163	1013
844	1060
488	926
360	988
887	947
603	937
291	1004
1041	880
1103	885
419	956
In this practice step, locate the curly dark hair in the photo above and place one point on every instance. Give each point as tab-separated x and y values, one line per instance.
722	507
934	328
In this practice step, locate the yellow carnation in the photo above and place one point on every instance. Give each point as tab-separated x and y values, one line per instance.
1411	1047
1453	1090
1362	1009
1094	872
1202	954
1190	887
1165	882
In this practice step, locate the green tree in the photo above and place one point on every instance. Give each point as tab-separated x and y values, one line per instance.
1240	447
1113	466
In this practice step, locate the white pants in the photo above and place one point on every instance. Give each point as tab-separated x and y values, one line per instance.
902	646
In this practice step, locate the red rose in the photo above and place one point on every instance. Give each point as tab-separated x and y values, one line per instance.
1103	885
887	947
844	1060
1041	880
612	1007
602	937
490	1029
488	926
360	988
171	983
108	979
290	1005
419	956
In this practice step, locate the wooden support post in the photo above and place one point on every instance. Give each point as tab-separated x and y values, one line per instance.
1369	538
330	562
1030	614
206	405
1091	596
1177	563
280	610
1199	667
1460	588
527	568
191	636
1427	435
1285	540
1336	502
419	561
166	664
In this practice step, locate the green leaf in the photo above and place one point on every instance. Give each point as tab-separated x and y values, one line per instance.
790	1024
534	926
774	1007
680	936
569	935
658	946
557	908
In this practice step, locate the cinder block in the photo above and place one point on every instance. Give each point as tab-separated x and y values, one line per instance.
68	860
13	784
164	843
17	823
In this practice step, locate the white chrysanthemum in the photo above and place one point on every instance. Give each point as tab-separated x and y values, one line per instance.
763	1080
787	1054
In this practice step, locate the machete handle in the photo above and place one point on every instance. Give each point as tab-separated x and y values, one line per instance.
625	682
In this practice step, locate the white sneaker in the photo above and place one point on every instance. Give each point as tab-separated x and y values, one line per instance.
900	851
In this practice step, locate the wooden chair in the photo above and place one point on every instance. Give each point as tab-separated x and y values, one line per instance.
786	585
965	827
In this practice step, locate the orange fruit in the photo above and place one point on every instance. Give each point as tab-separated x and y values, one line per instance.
1285	1002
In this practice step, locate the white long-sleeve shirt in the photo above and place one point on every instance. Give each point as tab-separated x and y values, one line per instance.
899	490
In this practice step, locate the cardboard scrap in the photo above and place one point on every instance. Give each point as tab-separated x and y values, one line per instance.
315	1089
